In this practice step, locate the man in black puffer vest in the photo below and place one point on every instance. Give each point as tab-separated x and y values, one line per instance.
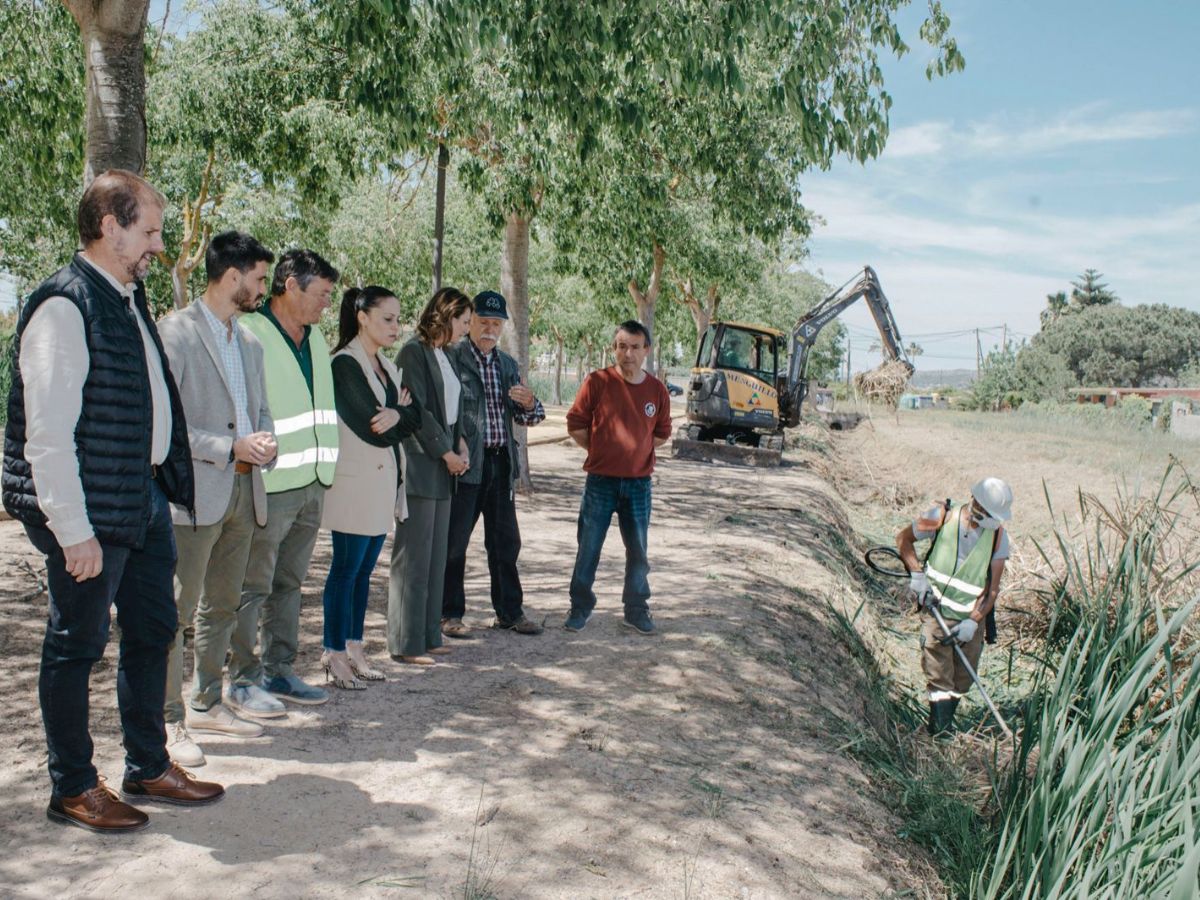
95	447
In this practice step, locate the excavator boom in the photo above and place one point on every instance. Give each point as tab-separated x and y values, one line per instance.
864	285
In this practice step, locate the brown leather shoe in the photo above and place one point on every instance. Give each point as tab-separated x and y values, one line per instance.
175	785
97	810
521	625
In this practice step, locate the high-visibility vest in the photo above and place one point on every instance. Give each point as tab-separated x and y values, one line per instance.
958	586
305	424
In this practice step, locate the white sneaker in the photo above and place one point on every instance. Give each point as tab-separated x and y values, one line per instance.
251	700
220	720
182	748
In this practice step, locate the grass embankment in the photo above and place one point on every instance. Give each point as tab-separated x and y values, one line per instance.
1099	795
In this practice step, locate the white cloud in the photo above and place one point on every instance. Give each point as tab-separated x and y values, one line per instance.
1092	123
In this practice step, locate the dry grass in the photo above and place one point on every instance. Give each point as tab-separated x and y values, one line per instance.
884	385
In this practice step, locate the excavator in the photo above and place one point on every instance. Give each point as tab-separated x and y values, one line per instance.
745	388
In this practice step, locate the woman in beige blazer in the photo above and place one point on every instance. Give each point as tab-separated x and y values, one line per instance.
374	414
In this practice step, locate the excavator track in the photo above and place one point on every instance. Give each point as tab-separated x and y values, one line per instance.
768	455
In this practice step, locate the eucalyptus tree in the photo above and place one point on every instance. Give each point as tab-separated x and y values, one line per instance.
249	103
41	141
519	85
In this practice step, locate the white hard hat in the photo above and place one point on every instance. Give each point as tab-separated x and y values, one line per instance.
995	496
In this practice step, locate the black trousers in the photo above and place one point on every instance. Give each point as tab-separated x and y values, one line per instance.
493	499
141	585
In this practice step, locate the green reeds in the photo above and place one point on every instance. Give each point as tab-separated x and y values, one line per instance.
1102	798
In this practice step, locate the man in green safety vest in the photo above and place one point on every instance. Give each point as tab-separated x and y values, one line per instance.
300	393
961	576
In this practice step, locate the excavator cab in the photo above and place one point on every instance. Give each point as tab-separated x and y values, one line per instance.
733	392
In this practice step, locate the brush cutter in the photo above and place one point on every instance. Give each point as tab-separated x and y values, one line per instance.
887	561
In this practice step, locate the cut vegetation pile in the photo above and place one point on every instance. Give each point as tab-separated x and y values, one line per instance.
884	384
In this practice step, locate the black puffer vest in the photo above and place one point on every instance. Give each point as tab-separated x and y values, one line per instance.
113	436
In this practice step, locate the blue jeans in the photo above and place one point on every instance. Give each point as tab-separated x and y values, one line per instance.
347	587
141	585
629	498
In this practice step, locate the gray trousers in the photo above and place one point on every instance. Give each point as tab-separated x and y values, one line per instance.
418	577
279	558
208	586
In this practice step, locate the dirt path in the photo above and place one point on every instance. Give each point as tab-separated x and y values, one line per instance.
698	763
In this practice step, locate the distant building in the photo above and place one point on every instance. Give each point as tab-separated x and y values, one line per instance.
1182	403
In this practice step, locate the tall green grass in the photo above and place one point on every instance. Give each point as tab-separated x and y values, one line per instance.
1103	796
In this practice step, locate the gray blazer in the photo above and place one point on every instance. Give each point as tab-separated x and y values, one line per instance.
426	475
207	399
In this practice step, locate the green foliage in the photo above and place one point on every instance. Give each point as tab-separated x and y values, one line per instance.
1124	346
999	383
41	136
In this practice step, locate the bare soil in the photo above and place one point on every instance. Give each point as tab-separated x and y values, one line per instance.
701	762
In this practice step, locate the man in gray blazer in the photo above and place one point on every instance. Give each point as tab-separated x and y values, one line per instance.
218	366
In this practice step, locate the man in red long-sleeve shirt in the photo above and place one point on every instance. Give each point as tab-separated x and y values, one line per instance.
620	416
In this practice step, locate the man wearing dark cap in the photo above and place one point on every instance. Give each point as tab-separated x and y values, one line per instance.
493	399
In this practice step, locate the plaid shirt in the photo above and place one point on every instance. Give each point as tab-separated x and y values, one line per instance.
228	344
494	432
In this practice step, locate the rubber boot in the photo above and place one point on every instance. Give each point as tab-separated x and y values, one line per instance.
941	715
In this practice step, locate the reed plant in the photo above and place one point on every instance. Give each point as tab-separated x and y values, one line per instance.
1102	798
1098	796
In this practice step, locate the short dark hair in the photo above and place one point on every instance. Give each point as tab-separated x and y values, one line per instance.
233	250
633	326
304	266
116	192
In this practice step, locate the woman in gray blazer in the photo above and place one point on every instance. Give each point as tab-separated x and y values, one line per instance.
437	454
374	414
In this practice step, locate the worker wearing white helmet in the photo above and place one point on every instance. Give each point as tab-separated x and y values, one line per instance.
961	574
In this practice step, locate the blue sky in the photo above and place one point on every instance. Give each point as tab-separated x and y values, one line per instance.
1070	141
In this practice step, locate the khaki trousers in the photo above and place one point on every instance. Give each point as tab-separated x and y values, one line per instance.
208	586
279	558
944	672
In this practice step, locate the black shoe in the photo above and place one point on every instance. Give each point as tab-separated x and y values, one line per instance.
640	622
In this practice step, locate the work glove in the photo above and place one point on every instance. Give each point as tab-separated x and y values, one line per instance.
919	585
964	631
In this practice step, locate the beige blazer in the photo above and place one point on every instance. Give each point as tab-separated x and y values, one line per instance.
195	361
366	495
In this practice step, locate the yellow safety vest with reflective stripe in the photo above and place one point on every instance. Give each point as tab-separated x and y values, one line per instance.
305	424
958	586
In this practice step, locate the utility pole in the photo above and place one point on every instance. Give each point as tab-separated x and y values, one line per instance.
439	214
978	355
1004	340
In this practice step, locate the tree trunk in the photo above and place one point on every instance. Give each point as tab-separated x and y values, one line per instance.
113	34
559	340
703	311
439	215
193	244
645	301
514	284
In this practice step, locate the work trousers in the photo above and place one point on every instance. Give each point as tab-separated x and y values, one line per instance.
944	672
279	558
208	589
138	582
630	499
493	499
417	577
